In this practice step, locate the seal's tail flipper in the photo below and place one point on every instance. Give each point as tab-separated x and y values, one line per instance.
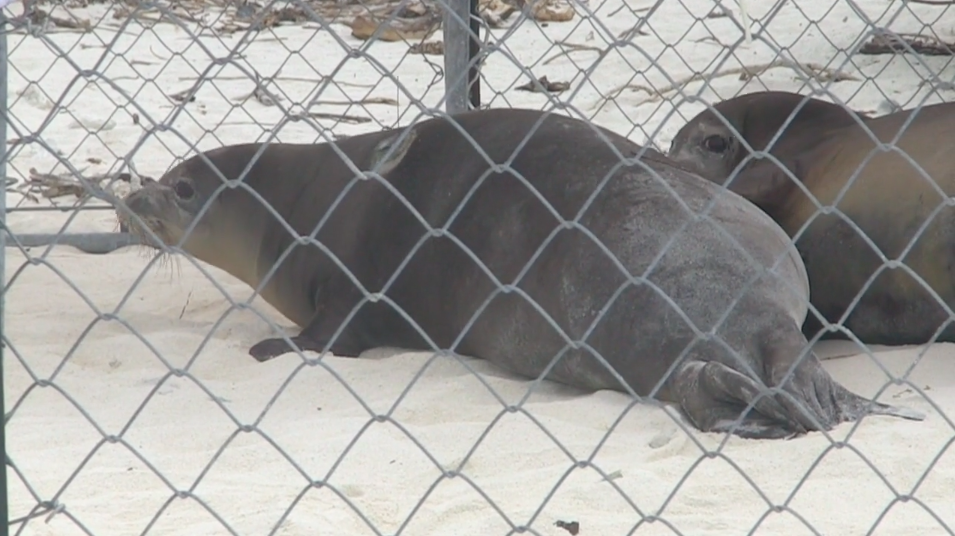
714	398
853	407
813	394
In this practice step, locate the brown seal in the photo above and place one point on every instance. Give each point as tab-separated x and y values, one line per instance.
546	245
870	204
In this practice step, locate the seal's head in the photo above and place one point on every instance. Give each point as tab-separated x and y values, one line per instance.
190	207
711	143
168	207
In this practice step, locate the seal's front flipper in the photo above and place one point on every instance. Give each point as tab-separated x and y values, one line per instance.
344	346
713	397
272	348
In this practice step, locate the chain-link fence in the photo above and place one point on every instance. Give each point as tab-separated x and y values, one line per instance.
132	405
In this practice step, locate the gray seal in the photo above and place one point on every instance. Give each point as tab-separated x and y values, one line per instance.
462	246
881	265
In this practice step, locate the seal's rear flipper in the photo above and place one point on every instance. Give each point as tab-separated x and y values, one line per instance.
725	420
818	392
713	396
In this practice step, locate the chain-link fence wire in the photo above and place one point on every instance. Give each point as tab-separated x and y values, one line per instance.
109	111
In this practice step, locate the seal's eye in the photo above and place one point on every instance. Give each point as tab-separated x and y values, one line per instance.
715	143
184	190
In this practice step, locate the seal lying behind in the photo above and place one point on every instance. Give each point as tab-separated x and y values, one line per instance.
897	199
564	272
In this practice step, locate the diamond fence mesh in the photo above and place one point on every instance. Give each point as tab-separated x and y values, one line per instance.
133	407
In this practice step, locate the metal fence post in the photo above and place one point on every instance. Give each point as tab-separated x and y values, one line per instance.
474	78
4	497
461	79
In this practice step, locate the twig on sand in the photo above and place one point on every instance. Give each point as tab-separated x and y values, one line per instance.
884	42
53	185
153	14
370	100
635	31
285	78
232	17
573	47
186	95
39	18
431	48
818	72
344	118
543	85
718	12
709	39
624	5
185	305
9	186
156	54
261	93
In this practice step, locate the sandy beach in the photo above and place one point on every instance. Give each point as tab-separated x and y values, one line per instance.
134	407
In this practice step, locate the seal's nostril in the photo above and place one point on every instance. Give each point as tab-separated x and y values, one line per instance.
138	203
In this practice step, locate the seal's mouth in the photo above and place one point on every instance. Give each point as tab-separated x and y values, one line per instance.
142	231
148	204
148	246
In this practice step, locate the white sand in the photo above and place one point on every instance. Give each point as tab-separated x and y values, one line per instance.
117	379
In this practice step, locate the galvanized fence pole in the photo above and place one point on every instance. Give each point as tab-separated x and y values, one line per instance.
474	79
4	497
461	47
